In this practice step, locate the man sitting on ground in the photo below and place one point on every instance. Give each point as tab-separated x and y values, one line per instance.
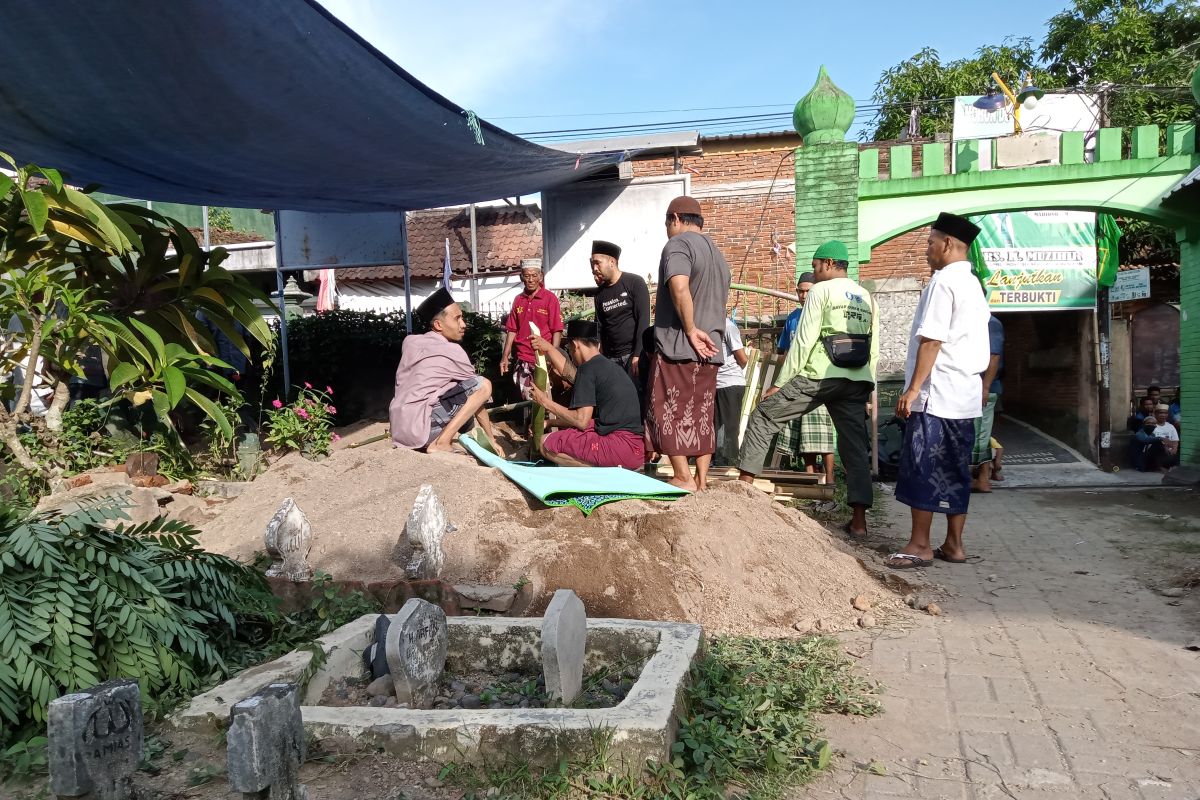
438	395
1145	409
603	426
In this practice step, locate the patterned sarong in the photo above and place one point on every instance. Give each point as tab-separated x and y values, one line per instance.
680	412
935	464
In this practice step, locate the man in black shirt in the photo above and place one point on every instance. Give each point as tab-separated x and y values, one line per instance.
603	426
622	307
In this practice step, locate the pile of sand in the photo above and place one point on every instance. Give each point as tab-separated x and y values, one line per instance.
729	558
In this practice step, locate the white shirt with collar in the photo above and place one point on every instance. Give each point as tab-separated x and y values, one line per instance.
953	311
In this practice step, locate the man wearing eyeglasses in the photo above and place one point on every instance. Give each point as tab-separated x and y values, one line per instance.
622	307
689	319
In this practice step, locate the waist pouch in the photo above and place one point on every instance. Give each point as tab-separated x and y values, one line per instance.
848	350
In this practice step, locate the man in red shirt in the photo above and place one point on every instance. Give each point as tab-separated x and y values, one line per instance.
539	306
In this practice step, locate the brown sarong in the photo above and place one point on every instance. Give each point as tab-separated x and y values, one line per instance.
679	414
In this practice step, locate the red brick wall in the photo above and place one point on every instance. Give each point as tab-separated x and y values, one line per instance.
902	257
748	228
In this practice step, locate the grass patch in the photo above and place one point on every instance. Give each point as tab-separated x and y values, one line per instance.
1190	548
748	728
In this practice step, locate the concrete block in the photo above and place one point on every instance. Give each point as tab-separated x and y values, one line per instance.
95	741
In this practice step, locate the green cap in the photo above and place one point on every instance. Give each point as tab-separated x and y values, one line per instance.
832	249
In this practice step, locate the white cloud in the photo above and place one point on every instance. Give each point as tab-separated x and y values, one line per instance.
476	52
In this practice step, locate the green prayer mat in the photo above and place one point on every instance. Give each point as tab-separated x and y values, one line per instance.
586	488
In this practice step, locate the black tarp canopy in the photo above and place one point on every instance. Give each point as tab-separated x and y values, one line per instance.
270	104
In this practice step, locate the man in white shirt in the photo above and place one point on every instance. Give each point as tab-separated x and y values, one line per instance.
731	389
947	351
1165	432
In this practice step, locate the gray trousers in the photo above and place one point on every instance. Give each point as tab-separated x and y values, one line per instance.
846	402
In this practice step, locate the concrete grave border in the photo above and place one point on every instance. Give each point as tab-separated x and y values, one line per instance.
643	725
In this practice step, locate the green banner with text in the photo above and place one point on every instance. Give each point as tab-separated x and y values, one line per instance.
1038	259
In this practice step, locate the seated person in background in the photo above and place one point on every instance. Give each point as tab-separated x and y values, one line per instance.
1145	409
1154	453
603	426
438	393
1166	433
1154	393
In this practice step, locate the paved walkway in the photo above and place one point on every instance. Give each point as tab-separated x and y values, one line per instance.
1053	672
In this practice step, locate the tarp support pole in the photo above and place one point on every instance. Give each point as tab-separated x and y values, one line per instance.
283	325
407	274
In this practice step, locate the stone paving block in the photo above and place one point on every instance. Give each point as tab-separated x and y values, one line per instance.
1158	789
1012	690
999	710
969	688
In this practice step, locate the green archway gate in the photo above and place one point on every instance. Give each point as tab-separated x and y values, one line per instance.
841	193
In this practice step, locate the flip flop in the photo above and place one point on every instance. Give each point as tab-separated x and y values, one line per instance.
907	561
938	554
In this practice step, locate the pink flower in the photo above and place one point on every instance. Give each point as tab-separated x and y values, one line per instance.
329	390
301	413
276	404
331	409
335	438
307	385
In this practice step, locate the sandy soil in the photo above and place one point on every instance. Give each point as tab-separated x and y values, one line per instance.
729	558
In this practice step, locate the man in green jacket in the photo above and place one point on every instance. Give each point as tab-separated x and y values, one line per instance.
831	363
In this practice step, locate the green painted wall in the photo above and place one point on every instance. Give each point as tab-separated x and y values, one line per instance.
1189	342
826	200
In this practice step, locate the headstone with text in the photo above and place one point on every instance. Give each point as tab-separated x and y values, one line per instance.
95	741
417	641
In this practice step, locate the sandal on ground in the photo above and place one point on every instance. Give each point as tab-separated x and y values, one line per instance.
907	561
940	555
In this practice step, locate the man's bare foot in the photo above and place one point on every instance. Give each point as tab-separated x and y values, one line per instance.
686	485
438	446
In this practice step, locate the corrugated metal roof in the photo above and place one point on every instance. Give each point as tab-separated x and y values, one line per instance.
1192	179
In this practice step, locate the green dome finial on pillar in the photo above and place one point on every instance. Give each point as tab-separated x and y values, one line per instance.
824	115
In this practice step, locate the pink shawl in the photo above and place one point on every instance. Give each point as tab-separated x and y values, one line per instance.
429	365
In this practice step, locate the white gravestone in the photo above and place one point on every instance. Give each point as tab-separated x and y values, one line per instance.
288	540
427	525
564	642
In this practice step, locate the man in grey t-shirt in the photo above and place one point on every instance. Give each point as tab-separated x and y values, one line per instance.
689	319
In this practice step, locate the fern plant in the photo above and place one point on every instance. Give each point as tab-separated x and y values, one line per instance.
83	601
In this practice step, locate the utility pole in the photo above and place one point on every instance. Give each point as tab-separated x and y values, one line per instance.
1104	331
474	265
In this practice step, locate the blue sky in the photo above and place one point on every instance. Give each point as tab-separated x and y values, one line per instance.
555	59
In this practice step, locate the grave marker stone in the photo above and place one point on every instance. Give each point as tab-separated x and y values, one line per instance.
266	745
427	525
288	540
417	641
564	641
95	741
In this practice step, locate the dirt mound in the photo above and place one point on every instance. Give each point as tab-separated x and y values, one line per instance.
729	558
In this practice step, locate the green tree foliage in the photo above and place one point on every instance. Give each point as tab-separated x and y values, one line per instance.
930	85
1128	43
77	272
82	601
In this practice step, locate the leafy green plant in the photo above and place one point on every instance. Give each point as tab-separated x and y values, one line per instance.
305	425
25	758
82	602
